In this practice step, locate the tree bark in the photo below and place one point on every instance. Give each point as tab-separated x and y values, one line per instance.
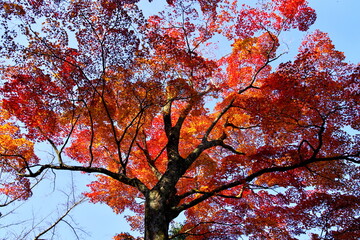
156	217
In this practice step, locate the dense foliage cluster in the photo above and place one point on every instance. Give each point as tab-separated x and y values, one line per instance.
164	114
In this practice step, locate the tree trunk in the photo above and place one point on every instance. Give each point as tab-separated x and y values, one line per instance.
156	219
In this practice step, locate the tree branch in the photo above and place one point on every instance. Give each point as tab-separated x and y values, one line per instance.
134	182
58	220
256	174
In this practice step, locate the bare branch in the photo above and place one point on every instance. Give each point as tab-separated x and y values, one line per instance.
59	219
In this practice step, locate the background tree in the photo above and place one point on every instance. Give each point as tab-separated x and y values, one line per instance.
170	127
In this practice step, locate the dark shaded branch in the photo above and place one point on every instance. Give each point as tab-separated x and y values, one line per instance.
206	145
92	136
249	86
249	178
230	148
167	116
150	161
217	119
138	126
227	124
134	182
70	133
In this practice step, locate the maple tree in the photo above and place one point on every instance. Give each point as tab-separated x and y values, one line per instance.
169	127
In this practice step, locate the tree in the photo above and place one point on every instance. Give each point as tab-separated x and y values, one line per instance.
169	126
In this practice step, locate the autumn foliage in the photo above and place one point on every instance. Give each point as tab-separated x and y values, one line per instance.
185	111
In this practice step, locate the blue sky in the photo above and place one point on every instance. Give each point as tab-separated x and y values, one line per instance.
339	18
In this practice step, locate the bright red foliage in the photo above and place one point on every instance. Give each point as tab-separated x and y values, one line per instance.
242	148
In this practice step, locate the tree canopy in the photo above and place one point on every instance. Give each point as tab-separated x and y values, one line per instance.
172	122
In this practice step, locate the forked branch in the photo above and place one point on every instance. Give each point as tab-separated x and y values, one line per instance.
251	177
